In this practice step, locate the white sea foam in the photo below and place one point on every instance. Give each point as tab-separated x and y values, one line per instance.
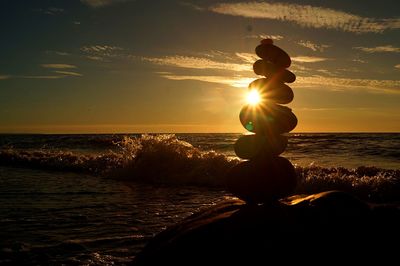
166	159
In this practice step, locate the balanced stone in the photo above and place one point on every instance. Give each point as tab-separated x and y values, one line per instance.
271	90
266	177
258	181
268	118
251	146
265	68
273	54
267	41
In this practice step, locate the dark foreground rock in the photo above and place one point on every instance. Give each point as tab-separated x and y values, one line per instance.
319	228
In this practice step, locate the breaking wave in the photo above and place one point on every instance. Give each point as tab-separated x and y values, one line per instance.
166	159
150	158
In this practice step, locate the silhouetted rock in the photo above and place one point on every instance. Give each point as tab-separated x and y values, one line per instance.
262	179
266	177
268	119
250	146
269	70
274	91
273	54
321	228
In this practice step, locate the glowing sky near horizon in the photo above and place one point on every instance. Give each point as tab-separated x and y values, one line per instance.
70	66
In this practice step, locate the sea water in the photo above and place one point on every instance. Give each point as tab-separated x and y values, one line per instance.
98	199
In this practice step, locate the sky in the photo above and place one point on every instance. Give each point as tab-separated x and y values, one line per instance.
119	66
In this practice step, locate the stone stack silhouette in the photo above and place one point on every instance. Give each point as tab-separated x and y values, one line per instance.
265	176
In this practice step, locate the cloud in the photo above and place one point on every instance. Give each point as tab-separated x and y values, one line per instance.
62	74
324	71
307	16
313	82
242	80
193	6
196	63
247	57
373	85
313	46
318	109
397	66
58	66
379	49
61	53
41	77
308	59
103	49
53	11
101	3
238	82
57	53
2	77
95	58
265	36
69	73
349	69
359	61
104	52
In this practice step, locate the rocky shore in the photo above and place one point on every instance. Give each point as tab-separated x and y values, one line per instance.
318	228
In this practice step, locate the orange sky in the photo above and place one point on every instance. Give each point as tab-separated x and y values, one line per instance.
128	66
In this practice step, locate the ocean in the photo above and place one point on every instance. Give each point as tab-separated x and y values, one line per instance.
97	199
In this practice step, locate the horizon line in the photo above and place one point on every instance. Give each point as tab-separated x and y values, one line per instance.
128	133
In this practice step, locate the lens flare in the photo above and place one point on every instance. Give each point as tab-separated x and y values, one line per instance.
253	97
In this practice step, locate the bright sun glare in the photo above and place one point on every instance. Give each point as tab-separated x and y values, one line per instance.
253	97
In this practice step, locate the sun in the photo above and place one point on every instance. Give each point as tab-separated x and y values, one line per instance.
253	97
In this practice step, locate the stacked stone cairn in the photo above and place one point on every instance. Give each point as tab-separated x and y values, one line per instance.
264	176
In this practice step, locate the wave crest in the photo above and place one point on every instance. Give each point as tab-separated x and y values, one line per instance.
166	159
151	158
366	182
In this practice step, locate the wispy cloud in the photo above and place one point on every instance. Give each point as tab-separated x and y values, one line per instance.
247	57
317	109
95	58
314	82
58	75
41	77
307	16
104	52
101	3
324	71
57	53
196	63
58	66
3	77
373	85
313	46
193	6
238	82
62	74
379	49
103	49
265	36
69	73
359	61
308	59
349	69
53	11
326	82
334	109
